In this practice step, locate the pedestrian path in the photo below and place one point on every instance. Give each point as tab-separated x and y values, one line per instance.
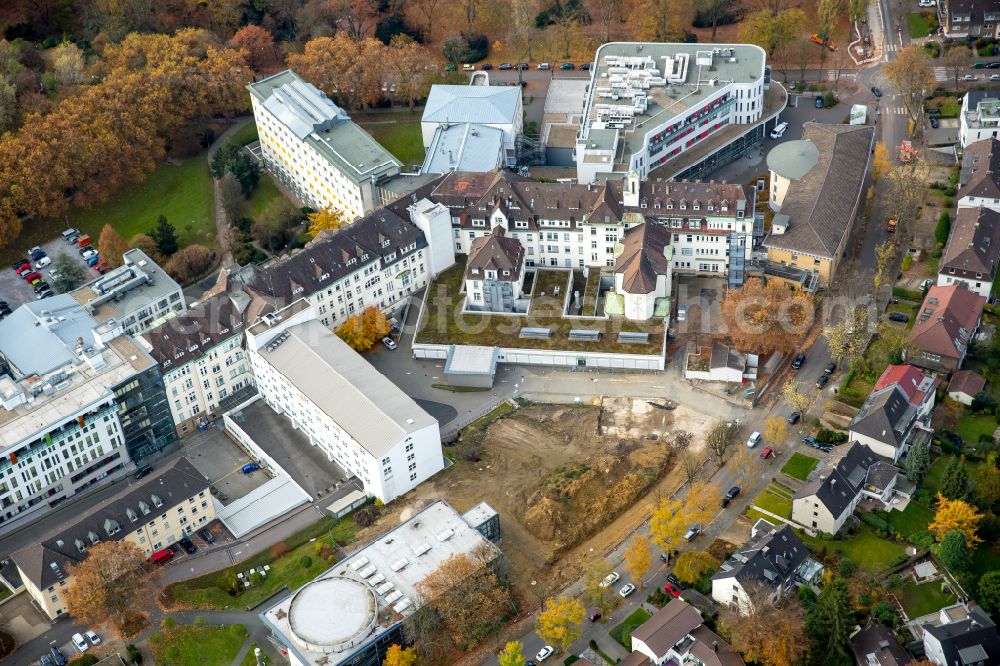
940	74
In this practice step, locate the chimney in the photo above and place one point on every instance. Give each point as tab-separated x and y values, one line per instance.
715	646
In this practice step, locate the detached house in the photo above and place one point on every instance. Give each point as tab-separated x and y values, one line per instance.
973	251
945	326
962	634
979	179
678	635
895	412
774	561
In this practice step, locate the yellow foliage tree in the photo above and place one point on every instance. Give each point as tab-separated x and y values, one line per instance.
560	620
672	518
325	220
694	564
512	654
956	515
881	162
774	430
638	557
108	586
399	656
363	330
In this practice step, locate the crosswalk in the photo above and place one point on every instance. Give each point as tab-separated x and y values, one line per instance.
894	110
940	74
891	46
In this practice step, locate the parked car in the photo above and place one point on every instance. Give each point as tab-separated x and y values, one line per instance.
792	86
926	284
88	253
163	556
926	3
779	130
36	253
682	312
30	275
819	102
92	637
830	367
567	65
672	590
594	615
44	660
794	417
86	248
768	452
626	590
754	439
41	286
92	260
389	344
799	360
731	494
610	579
42	263
79	643
675	581
994	65
935	123
970	77
544	65
142	471
250	468
45	294
523	65
20	265
692	532
544	653
822	381
188	545
57	656
486	67
934	111
994	77
71	234
586	66
468	68
206	536
876	91
899	316
505	66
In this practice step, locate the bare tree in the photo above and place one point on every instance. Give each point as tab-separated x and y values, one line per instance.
720	438
955	59
691	463
911	73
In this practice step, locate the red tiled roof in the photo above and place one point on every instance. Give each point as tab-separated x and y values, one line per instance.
966	381
911	380
946	320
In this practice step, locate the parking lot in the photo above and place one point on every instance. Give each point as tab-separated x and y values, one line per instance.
16	291
221	461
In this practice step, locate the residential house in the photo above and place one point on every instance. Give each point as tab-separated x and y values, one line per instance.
980	117
969	19
972	254
877	645
720	363
979	178
460	110
152	513
494	274
677	634
965	385
962	634
825	502
642	273
816	186
945	326
773	562
895	412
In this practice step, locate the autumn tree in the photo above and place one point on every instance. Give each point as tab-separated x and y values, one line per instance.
145	243
112	246
885	252
468	598
364	329
399	656
956	58
672	517
67	63
766	317
595	592
881	161
665	20
691	463
911	74
273	227
638	558
773	30
765	630
70	274
190	263
512	654
606	12
829	621
774	430
560	620
956	515
352	70
257	46
692	565
231	197
845	339
743	464
907	185
109	585
408	61
720	439
328	219
797	397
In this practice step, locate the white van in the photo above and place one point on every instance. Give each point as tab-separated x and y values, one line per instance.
779	130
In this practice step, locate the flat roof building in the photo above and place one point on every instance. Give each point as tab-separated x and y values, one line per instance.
467	107
355	611
465	147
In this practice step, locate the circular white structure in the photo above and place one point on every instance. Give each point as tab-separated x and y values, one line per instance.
332	614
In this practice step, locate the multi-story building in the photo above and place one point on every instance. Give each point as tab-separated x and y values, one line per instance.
165	506
354	414
969	19
472	114
945	327
202	357
494	273
896	414
979	179
689	108
132	298
75	408
972	254
980	116
312	146
354	612
377	261
677	634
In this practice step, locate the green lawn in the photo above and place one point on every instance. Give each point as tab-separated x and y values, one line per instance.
970	427
193	645
864	549
907	308
265	192
623	632
799	466
290	570
402	138
250	660
919	25
912	519
922	599
986	558
246	134
775	498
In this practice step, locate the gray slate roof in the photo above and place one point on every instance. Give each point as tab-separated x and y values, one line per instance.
771	557
493	105
837	489
495	252
973	245
973	640
191	334
820	204
980	169
885	416
878	642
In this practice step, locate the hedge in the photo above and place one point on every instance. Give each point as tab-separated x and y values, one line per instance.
875	521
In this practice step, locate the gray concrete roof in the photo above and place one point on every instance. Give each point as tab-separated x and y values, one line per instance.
472	360
465	147
793	159
41	336
494	105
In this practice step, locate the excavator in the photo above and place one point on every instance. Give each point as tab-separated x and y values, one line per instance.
822	40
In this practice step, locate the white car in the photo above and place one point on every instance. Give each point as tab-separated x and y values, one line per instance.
468	68
87	254
926	3
389	344
682	312
626	590
753	440
970	77
610	579
994	77
79	643
544	65
779	130
92	637
544	653
42	263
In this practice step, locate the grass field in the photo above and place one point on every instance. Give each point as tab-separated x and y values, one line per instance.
775	498
290	569
912	519
922	599
623	632
919	25
799	466
246	134
865	549
399	134
193	645
265	192
972	426
250	660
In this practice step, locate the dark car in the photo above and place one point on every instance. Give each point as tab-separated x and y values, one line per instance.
819	102
37	254
19	264
933	111
45	661
595	615
809	440
899	316
143	471
585	66
794	417
674	580
206	536
41	286
822	381
799	360
506	65
486	67
979	65
994	65
250	468
876	91
935	123
188	546
57	656
830	367
523	65
731	494
567	65
47	294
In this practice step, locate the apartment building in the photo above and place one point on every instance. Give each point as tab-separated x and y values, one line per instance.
75	409
689	108
979	179
969	19
132	298
980	116
312	146
202	357
354	414
163	507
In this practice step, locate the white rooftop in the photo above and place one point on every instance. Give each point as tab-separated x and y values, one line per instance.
493	105
366	594
471	359
464	147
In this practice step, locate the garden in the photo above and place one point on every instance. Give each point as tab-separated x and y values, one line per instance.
922	23
196	644
623	632
799	466
923	599
775	498
399	132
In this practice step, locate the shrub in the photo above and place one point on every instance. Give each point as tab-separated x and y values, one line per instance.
950	191
847	567
279	549
875	521
907	261
943	228
829	100
465	48
85	660
983	402
190	263
305	561
134	655
893	581
831	436
897	560
572	659
365	516
922	539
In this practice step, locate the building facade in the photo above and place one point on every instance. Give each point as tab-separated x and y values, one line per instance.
980	116
969	19
312	146
164	507
494	273
354	414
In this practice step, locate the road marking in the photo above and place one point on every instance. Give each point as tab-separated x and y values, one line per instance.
940	74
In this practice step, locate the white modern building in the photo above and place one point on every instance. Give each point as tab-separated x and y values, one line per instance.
312	146
474	111
355	611
75	408
691	107
980	116
202	357
361	420
466	147
132	298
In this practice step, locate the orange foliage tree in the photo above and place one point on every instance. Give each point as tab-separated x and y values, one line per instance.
363	330
111	246
767	317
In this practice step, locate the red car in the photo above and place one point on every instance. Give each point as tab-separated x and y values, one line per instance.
671	590
768	452
24	268
32	276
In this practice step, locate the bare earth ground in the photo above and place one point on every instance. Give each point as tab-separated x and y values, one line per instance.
569	482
